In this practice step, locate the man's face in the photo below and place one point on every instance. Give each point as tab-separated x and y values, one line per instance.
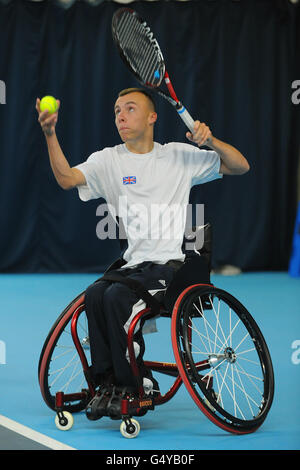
134	116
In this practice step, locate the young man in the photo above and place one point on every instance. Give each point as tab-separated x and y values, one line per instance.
134	178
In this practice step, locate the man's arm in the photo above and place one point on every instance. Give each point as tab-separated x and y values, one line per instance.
65	176
232	161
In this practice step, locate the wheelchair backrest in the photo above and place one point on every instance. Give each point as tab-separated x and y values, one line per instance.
198	240
193	271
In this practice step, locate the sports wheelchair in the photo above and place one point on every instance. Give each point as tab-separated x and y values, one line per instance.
220	353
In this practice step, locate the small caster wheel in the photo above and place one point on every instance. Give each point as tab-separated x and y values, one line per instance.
130	428
64	421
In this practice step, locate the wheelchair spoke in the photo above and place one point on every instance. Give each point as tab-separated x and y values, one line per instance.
196	350
232	393
65	370
201	336
246	395
67	350
245	358
61	370
65	388
216	337
60	366
217	315
250	377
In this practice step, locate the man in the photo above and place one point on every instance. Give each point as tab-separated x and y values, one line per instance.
138	173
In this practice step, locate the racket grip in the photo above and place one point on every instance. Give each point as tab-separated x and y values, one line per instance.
186	117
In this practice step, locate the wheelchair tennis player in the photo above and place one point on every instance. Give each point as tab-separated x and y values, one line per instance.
142	174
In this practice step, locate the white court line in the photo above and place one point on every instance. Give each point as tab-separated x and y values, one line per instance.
33	435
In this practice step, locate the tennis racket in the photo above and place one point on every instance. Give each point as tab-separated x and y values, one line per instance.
141	53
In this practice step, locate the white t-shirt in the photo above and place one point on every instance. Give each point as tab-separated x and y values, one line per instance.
150	192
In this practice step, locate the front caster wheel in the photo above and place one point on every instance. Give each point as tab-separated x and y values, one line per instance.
130	428
64	421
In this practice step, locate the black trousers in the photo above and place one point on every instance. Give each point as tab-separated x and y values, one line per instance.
110	308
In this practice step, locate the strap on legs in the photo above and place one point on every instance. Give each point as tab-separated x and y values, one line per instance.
137	287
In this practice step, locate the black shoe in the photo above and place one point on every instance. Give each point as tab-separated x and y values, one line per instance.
115	402
114	406
97	407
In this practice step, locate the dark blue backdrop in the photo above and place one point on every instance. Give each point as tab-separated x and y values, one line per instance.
232	65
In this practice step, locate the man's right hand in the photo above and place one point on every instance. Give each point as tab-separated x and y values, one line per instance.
46	120
66	176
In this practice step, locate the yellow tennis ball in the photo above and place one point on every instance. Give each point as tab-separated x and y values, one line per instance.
49	103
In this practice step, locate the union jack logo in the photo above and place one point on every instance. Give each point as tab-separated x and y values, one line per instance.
129	179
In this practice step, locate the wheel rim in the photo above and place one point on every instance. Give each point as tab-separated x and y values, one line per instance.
235	387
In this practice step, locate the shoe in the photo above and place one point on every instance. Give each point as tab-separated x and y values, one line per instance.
97	407
114	406
115	402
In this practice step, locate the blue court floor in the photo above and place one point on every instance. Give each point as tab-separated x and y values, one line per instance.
30	305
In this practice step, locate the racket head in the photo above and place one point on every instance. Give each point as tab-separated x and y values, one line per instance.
137	47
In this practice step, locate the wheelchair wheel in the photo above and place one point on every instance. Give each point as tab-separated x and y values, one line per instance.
222	358
60	368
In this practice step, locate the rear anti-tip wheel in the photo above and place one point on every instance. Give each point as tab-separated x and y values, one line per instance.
130	428
64	421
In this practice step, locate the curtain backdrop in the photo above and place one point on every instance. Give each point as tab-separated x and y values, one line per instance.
232	64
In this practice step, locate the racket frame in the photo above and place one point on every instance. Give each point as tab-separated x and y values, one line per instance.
171	97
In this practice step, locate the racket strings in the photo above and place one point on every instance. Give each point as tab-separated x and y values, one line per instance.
127	33
140	50
137	47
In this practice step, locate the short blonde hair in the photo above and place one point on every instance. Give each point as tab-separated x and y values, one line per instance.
126	91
